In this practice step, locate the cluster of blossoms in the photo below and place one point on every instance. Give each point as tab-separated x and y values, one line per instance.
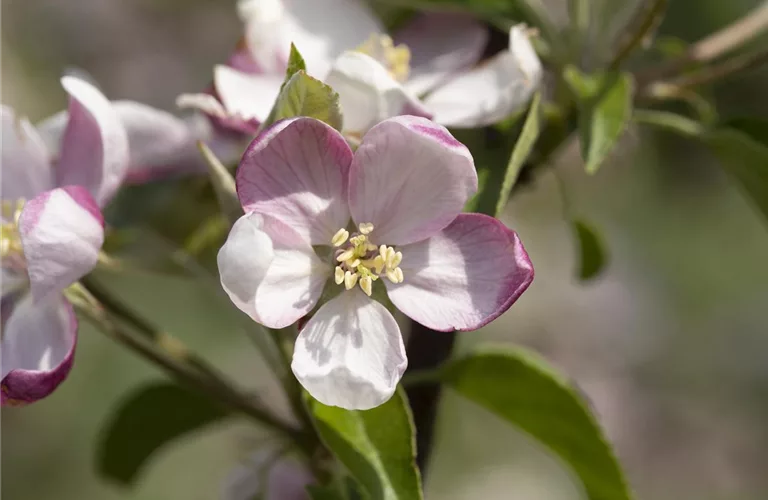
331	236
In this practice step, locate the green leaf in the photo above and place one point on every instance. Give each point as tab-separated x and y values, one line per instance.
605	102
377	446
295	64
669	121
592	254
323	493
223	184
745	160
148	419
303	95
755	128
522	389
520	153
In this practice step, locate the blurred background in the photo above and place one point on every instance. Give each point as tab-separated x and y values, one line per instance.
670	343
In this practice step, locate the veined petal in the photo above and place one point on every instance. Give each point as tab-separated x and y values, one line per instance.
268	475
350	353
441	45
243	261
61	231
26	164
410	178
94	149
491	92
312	25
463	277
294	280
296	171
160	143
248	98
367	92
38	349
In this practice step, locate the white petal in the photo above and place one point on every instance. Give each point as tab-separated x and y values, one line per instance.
463	277
491	92
26	165
294	280
62	231
243	261
38	348
350	353
441	44
94	149
409	178
367	92
296	171
321	30
246	96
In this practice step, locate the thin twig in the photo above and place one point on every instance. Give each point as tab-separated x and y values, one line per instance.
713	46
179	364
644	22
729	67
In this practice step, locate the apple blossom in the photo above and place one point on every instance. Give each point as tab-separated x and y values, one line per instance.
374	77
268	475
52	230
381	224
160	143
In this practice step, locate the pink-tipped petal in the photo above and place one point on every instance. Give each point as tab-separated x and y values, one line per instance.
441	45
294	280
367	92
491	92
94	149
61	231
26	164
161	145
243	261
296	171
409	178
38	349
350	353
463	277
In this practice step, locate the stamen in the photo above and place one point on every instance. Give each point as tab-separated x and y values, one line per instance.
366	283
340	237
350	280
361	261
346	255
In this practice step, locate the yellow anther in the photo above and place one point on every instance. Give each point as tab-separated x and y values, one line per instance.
353	264
350	280
365	227
396	259
399	275
395	275
383	252
390	257
378	264
346	255
340	237
396	59
366	283
338	275
370	247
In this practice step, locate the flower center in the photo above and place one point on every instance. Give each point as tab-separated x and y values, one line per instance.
359	260
11	251
395	58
